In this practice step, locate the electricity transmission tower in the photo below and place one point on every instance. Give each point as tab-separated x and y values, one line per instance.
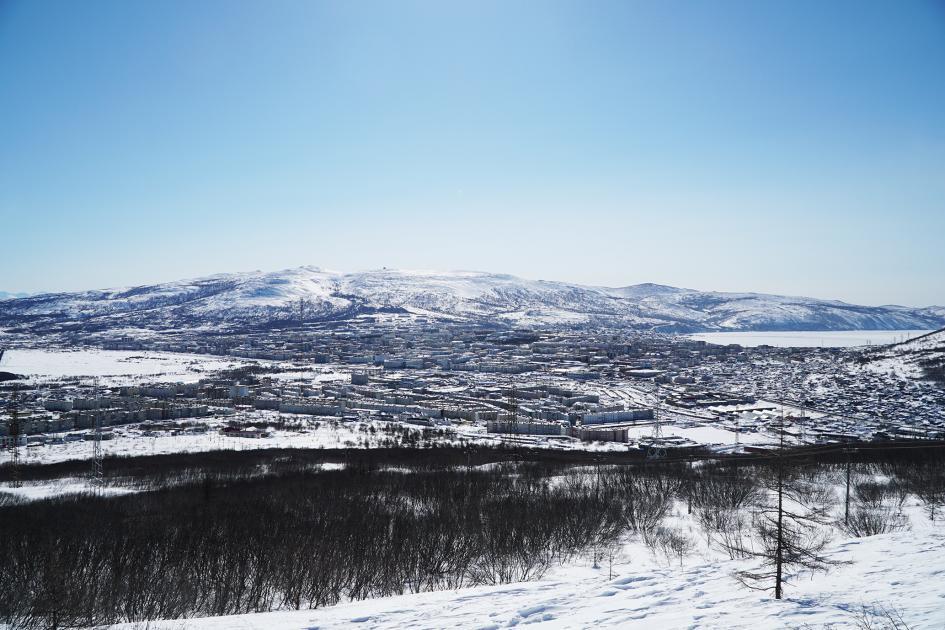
98	476
15	436
657	419
513	409
754	398
303	304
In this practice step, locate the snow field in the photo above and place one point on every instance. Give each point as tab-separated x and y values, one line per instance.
113	367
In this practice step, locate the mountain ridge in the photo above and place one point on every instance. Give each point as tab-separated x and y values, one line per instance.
257	297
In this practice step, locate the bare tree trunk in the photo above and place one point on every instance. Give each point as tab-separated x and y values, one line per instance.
779	551
846	509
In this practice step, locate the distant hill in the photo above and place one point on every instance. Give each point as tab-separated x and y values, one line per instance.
257	298
6	295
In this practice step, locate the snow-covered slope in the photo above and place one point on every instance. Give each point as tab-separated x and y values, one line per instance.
899	572
259	298
919	357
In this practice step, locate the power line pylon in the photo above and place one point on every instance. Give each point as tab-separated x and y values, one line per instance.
303	304
98	475
657	419
513	409
15	436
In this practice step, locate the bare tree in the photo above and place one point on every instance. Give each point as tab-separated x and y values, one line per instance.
791	533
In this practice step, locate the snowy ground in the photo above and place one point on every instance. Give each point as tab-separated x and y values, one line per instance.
903	571
113	367
810	338
38	490
130	440
903	360
708	435
314	432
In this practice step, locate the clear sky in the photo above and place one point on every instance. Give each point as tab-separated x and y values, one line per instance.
793	147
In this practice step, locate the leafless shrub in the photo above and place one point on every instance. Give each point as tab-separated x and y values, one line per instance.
721	498
876	509
879	617
924	479
673	542
8	498
869	520
646	500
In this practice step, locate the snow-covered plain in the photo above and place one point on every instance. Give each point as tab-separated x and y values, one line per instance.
810	338
902	572
113	367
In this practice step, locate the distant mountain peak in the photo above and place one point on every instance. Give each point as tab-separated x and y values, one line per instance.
650	288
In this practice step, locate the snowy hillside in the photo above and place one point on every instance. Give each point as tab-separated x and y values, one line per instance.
920	357
897	573
259	298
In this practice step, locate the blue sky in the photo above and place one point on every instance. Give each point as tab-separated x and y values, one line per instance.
784	147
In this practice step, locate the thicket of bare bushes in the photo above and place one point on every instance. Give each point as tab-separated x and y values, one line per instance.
239	533
290	540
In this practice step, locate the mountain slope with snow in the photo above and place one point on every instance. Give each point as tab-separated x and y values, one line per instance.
258	298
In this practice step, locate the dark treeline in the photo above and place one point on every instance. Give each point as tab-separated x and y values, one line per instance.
230	462
258	531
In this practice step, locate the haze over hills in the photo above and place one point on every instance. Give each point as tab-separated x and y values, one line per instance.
267	298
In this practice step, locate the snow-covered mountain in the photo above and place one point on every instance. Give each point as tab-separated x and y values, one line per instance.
260	298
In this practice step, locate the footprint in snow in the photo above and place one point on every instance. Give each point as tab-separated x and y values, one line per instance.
630	580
